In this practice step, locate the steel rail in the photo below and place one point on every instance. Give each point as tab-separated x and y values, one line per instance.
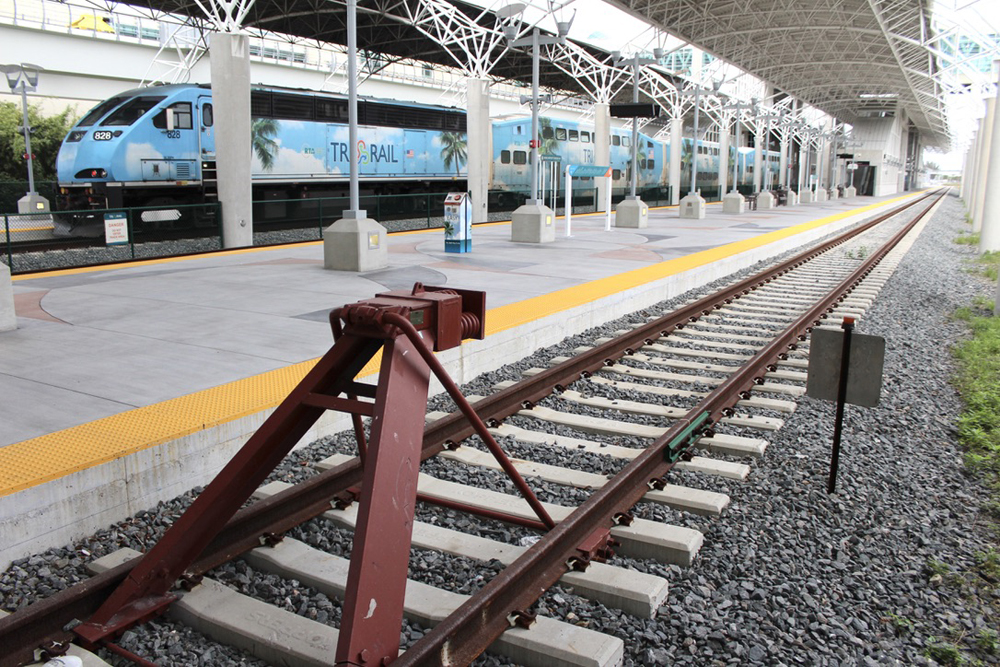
22	632
470	629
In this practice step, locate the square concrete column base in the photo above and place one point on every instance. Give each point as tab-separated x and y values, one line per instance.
734	203
355	244
834	193
33	203
8	320
765	201
793	197
821	194
851	192
632	213
692	207
533	223
806	196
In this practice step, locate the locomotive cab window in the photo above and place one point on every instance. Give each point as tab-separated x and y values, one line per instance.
182	117
585	137
574	135
97	112
207	115
626	142
504	157
651	164
616	140
135	109
560	134
520	157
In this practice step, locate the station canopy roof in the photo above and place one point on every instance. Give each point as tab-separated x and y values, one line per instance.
849	58
852	59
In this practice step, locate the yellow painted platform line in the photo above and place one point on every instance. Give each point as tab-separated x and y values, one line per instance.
38	460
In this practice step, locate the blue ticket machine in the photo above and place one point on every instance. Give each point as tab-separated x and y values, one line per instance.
457	222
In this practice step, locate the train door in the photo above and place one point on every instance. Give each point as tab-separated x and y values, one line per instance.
415	152
206	137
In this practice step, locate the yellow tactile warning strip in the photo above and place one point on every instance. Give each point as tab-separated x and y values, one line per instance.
32	462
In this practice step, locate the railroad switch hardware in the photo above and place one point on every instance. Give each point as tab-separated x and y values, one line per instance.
406	326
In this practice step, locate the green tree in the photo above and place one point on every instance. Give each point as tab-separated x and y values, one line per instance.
45	141
262	133
454	150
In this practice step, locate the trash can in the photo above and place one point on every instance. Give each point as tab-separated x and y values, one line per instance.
457	222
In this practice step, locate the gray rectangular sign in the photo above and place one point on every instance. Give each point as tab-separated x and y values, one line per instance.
864	379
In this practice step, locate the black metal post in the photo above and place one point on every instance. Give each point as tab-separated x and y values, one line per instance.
845	362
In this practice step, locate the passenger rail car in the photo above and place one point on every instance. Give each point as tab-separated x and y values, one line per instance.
155	147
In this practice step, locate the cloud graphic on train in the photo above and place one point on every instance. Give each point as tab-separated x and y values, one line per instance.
134	153
288	161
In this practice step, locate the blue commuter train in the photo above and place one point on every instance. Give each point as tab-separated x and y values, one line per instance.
155	147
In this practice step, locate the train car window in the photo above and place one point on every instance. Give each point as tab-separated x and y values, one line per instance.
504	157
135	109
574	135
649	144
548	133
585	137
519	128
98	112
560	134
331	111
260	104
292	107
616	140
616	174
207	115
626	142
520	157
182	117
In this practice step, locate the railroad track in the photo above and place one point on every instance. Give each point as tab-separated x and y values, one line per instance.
716	374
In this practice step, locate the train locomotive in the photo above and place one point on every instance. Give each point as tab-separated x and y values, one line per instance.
155	147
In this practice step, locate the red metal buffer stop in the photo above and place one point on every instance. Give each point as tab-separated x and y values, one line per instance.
406	326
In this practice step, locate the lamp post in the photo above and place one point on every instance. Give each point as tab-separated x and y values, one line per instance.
632	212
693	205
23	79
768	117
533	222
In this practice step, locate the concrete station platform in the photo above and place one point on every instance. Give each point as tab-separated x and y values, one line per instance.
125	385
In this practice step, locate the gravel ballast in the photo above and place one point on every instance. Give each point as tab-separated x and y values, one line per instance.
882	572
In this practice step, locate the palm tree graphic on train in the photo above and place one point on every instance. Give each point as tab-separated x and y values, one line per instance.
547	134
262	133
454	150
687	150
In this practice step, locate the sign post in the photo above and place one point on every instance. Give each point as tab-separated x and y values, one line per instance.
847	368
116	228
457	222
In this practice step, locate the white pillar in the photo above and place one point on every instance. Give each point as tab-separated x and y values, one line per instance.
970	167
8	320
783	162
981	167
230	67
479	147
676	137
758	158
723	160
989	238
602	150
